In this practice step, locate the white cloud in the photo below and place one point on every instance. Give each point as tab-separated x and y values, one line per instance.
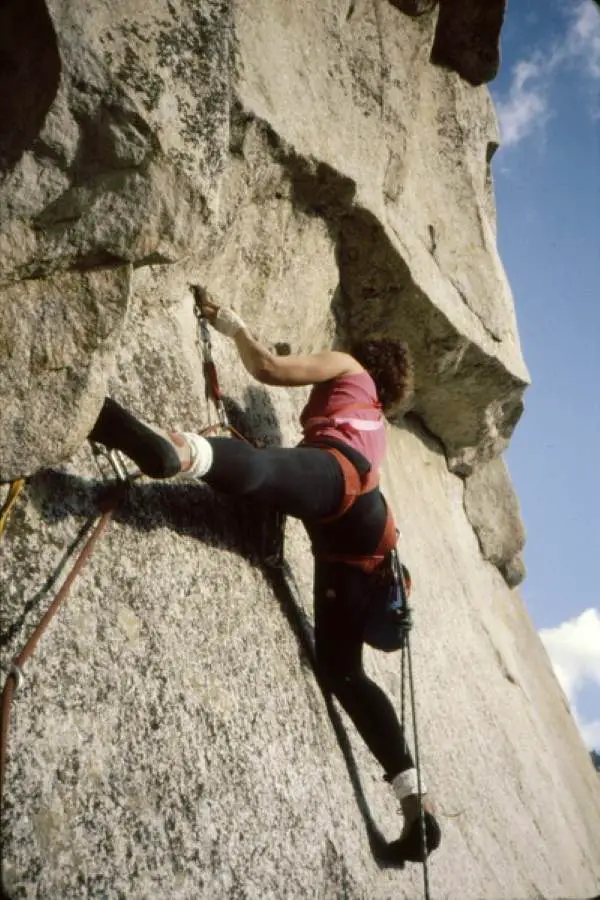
525	110
574	650
583	38
526	107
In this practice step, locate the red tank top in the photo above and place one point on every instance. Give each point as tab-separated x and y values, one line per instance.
347	409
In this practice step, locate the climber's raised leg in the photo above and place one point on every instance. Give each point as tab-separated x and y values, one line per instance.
275	475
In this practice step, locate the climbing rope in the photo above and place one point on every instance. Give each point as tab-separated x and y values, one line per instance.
16	676
7	507
406	668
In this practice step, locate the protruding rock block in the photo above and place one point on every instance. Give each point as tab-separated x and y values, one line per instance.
57	341
493	510
467	38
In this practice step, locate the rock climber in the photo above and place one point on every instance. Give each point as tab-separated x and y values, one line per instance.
330	482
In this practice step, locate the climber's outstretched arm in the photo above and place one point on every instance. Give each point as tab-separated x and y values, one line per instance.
267	367
290	371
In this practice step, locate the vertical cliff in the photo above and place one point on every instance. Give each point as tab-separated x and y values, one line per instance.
324	167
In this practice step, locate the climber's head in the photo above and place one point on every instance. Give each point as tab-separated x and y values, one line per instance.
389	363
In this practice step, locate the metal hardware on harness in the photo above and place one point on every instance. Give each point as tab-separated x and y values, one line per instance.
18	674
403	614
113	457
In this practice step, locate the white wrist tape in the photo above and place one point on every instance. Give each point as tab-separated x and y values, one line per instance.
228	322
407	783
201	456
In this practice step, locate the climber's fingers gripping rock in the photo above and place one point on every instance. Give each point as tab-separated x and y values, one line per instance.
223	319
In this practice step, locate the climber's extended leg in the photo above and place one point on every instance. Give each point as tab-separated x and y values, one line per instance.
151	449
302	481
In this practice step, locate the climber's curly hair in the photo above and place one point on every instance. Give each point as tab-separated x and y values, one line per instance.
389	363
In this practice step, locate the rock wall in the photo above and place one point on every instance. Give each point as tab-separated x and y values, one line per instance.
324	168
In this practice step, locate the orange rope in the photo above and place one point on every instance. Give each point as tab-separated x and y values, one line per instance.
13	492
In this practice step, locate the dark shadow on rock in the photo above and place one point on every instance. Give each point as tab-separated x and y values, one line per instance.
191	509
283	585
414	7
467	38
29	75
257	420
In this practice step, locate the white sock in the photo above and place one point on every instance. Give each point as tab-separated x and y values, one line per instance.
406	783
201	453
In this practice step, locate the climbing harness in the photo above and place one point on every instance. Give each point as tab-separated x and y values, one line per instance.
355	485
16	676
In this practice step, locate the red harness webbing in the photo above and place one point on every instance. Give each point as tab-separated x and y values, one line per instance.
354	487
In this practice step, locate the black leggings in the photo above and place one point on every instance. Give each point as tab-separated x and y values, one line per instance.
303	482
341	597
307	483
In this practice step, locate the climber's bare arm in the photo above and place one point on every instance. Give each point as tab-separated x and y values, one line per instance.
285	371
292	371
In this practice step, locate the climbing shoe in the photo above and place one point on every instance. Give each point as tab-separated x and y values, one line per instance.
118	429
410	848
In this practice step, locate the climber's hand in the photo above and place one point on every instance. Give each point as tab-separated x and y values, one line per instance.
209	309
203	301
224	320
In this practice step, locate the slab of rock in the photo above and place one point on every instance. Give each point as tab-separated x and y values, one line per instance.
404	147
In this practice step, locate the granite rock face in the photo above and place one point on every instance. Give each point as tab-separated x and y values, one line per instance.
324	168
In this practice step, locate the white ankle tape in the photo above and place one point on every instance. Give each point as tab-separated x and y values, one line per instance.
407	783
201	453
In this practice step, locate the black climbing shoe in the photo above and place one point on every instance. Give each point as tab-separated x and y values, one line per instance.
118	429
410	848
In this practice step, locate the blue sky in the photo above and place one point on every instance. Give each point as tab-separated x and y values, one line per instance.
547	182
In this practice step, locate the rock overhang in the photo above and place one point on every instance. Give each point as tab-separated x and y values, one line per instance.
119	175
